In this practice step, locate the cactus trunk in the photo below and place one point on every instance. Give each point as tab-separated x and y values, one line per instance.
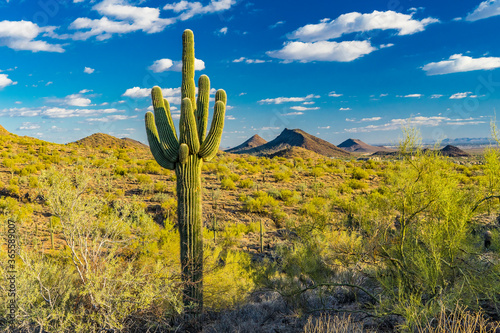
189	214
185	154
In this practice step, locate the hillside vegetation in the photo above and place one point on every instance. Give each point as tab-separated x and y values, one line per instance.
297	243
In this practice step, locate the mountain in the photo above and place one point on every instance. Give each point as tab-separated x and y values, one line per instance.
3	131
104	140
358	146
296	138
453	151
253	142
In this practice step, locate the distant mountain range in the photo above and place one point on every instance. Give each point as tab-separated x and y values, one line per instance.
253	142
292	138
358	146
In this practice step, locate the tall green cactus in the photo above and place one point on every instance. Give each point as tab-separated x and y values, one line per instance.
185	154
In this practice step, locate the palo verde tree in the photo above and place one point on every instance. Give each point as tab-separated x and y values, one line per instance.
185	154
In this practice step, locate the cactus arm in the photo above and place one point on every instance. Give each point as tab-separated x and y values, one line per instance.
201	113
211	144
164	125
154	143
183	153
188	88
220	95
187	124
169	117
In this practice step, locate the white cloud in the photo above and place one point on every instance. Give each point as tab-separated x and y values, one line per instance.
173	95
383	46
55	112
280	100
229	117
289	114
323	51
71	100
334	94
436	96
345	109
84	91
370	119
5	81
363	120
22	35
189	9
458	63
413	96
485	9
396	124
222	31
107	119
325	127
163	65
119	17
29	126
88	70
249	61
49	83
303	108
357	22
276	24
460	95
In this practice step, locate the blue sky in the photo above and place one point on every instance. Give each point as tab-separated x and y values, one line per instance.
336	69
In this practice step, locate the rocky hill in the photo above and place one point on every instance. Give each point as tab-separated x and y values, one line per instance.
3	131
453	151
107	141
358	146
297	138
253	142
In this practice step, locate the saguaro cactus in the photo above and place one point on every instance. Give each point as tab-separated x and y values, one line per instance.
185	154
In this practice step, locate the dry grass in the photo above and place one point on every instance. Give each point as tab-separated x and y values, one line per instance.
338	324
459	321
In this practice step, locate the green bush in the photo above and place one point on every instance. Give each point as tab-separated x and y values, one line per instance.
227	184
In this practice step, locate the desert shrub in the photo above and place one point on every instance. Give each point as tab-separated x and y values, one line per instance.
356	184
120	171
161	187
317	172
143	179
358	173
246	183
282	176
234	177
227	184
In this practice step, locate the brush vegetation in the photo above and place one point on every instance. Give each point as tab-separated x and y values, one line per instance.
404	244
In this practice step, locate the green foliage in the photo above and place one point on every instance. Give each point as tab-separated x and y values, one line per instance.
227	184
246	183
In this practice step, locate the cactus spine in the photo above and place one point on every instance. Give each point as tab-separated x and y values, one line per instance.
185	154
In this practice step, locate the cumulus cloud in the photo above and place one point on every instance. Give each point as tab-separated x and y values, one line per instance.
88	70
323	51
5	81
334	94
289	114
280	100
55	112
459	63
108	119
173	95
23	35
71	100
357	22
397	124
163	65
29	126
460	95
222	31
303	108
187	10
485	9
249	61
119	17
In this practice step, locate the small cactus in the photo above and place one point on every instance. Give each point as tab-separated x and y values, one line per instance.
185	154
